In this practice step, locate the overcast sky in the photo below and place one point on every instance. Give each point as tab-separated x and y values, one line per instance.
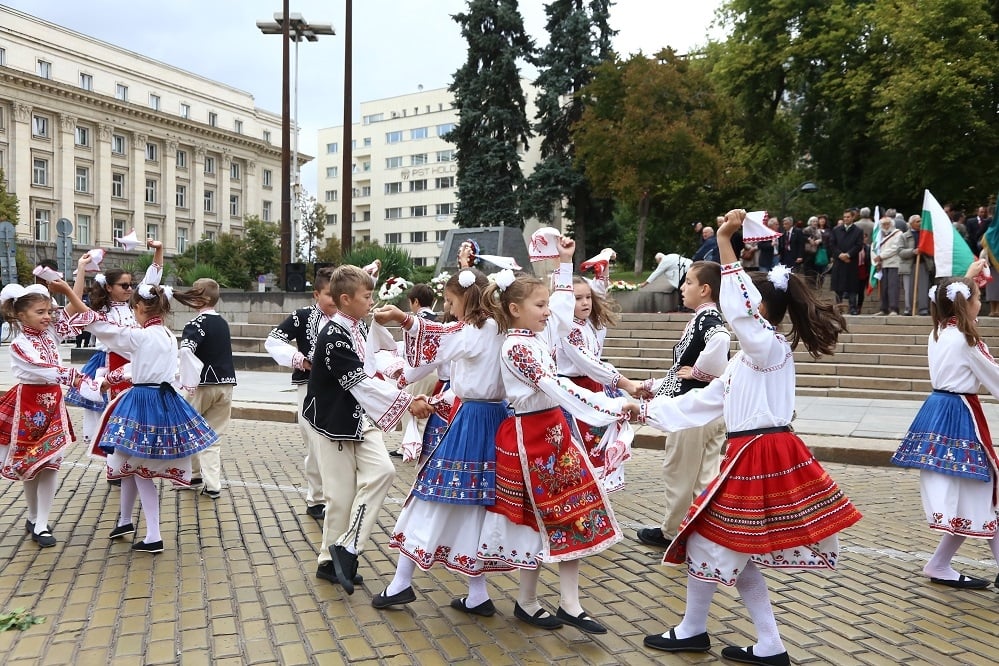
398	44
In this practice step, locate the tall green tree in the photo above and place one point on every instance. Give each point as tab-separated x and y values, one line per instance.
312	223
263	249
579	40
8	202
492	128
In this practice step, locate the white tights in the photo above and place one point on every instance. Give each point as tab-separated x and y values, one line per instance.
39	493
149	501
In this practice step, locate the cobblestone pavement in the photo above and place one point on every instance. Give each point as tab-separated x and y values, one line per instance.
236	584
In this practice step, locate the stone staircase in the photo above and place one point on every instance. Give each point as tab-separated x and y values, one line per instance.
879	357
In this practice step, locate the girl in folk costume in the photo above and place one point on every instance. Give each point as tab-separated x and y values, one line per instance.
149	430
772	504
578	359
949	440
550	506
109	294
34	426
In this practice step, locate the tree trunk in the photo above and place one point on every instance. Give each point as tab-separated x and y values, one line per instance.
643	222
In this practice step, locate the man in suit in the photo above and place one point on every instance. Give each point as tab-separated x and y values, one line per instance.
792	246
845	244
709	247
976	226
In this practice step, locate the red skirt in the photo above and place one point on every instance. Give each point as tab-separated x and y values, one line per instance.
34	430
590	434
771	495
116	361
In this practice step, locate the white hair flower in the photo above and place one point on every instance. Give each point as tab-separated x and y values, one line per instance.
15	291
779	276
466	279
505	278
955	288
932	294
167	291
146	292
101	279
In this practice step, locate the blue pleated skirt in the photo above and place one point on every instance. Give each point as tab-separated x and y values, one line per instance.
97	361
944	437
461	469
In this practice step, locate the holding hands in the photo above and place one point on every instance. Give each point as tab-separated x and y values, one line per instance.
420	408
389	314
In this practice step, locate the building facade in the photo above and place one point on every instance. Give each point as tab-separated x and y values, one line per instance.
404	178
113	141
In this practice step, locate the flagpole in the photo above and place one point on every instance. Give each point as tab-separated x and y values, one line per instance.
915	283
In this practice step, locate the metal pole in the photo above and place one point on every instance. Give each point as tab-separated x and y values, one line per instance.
346	193
295	192
285	149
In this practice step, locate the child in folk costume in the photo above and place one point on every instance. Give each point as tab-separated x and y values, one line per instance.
772	504
34	426
291	344
693	455
949	440
109	294
149	430
208	374
550	506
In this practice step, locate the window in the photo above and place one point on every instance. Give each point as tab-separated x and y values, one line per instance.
209	201
366	216
3	57
331	219
44	69
181	159
82	230
86	81
418	133
213	119
209	164
118	228
417	160
393	213
393	137
393	239
237	126
417	211
82	179
265	211
365	191
154	102
182	196
444	129
419	261
444	183
40	172
42	218
121	92
445	208
151	190
82	136
373	118
331	195
234	205
117	144
185	110
393	162
153	231
332	148
440	235
417	236
152	152
234	171
117	185
268	176
40	126
181	239
418	185
267	136
393	188
367	141
331	172
445	155
210	236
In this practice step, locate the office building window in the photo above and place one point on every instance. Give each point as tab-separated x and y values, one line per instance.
117	144
418	160
393	213
153	231
417	236
234	205
445	155
209	164
393	137
118	228
267	136
154	102
182	196
331	172
82	136
151	190
393	188
393	162
440	235
121	92
417	211
367	142
117	185
185	110
393	239
365	191
181	159
332	148
445	208
444	183
265	211
181	239
40	172
234	170
209	201
86	81
3	57
268	177
152	152
419	261
82	230
44	69
418	185
40	126
366	216
82	179
331	219
42	218
444	129
213	119
418	133
237	126
331	195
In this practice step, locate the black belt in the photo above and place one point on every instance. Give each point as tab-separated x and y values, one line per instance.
757	431
165	389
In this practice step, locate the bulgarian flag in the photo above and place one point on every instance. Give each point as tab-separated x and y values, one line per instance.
939	238
875	273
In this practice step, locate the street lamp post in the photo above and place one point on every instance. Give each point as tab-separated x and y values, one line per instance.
808	187
347	187
289	26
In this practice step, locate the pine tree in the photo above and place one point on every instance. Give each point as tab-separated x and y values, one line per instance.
579	39
492	123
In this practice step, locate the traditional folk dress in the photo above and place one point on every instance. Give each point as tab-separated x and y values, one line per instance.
34	426
148	430
772	503
550	504
949	440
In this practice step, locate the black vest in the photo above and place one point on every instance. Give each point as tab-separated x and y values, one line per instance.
329	406
207	335
301	327
688	349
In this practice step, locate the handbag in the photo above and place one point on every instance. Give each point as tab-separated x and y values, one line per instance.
821	256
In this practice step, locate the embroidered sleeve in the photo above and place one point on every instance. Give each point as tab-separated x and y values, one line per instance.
740	303
281	342
123	374
713	359
426	341
692	409
985	368
31	363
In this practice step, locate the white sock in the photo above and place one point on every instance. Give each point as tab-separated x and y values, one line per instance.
568	584
149	500
994	545
753	590
695	617
939	565
477	592
46	480
527	597
31	498
403	578
127	500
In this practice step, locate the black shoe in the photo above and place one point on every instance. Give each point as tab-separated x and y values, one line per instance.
143	547
963	582
214	494
924	313
317	511
29	526
381	600
396	454
114	482
653	536
327	572
122	530
485	609
583	622
668	642
542	618
196	481
746	656
853	311
45	539
345	566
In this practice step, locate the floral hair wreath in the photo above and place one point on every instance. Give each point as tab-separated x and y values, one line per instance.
504	279
955	288
779	276
466	278
101	279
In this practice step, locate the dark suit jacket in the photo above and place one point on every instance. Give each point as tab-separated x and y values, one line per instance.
792	247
